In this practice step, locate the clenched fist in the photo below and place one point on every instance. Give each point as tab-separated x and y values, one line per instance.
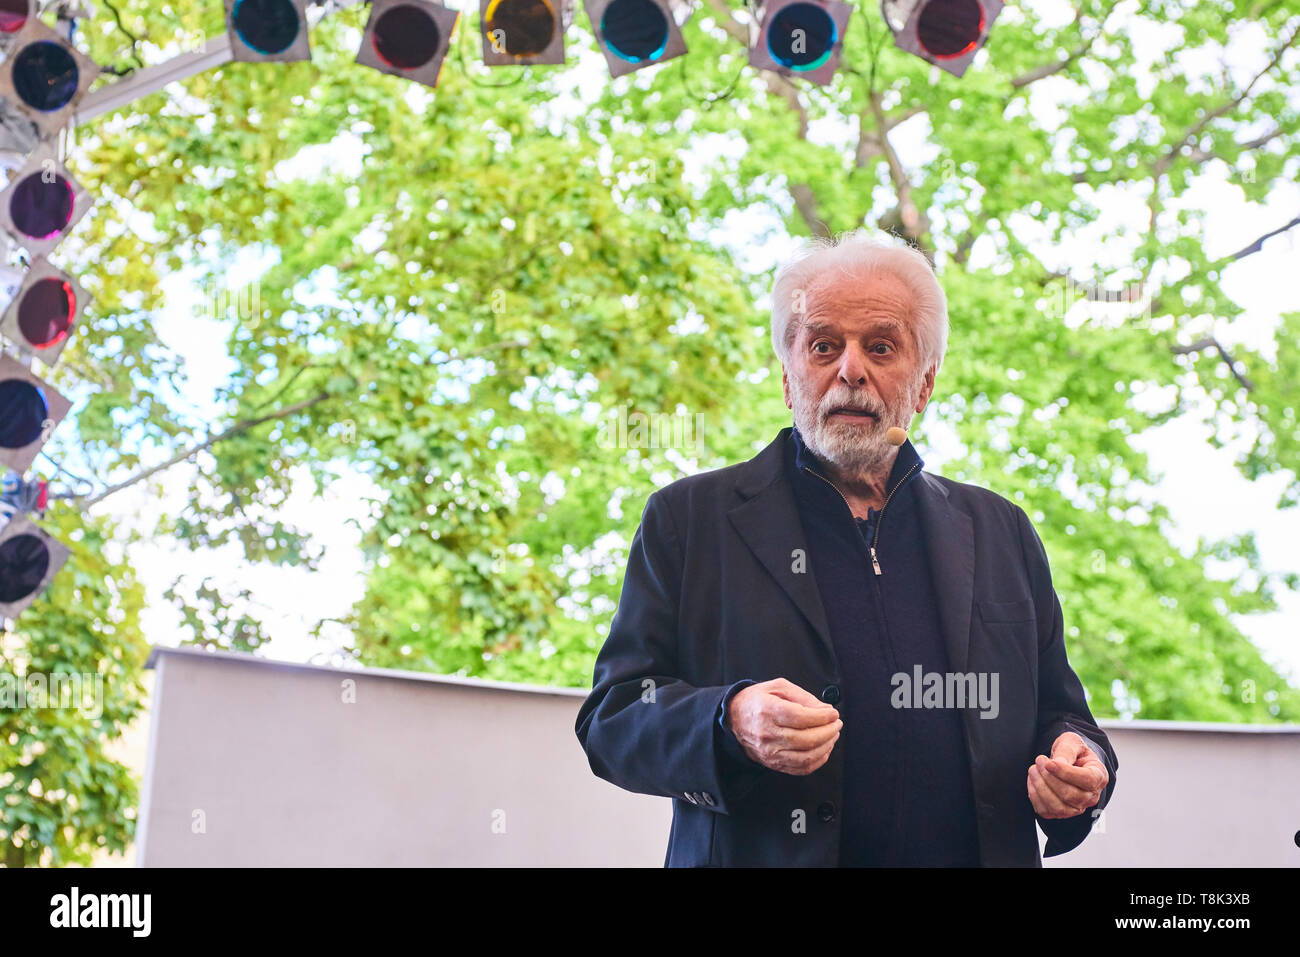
1067	783
783	727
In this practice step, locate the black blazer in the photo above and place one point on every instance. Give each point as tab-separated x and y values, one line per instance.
710	598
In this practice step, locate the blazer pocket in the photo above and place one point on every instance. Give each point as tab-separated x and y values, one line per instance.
1022	610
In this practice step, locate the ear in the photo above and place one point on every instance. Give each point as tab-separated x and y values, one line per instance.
785	387
927	388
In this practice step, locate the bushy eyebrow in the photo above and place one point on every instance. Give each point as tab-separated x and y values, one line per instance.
815	327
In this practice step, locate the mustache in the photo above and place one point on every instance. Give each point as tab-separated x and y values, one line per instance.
843	401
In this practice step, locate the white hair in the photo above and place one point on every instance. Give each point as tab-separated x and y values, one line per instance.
856	256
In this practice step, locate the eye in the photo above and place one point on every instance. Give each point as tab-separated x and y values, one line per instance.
883	345
820	342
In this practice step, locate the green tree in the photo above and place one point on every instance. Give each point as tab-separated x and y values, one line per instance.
62	796
517	260
454	323
1047	399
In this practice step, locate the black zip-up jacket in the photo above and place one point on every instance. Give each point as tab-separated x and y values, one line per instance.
716	597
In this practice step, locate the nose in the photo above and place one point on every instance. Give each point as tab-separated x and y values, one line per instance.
853	366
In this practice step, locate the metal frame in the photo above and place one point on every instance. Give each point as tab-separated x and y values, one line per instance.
905	36
300	49
58	552
552	53
41	269
444	19
674	46
34	31
43	159
32	12
760	59
140	83
20	459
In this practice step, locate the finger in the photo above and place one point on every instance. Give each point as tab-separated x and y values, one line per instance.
1067	746
1044	800
805	762
1054	806
788	714
1090	776
810	760
769	741
808	739
1058	806
1031	789
1073	795
790	691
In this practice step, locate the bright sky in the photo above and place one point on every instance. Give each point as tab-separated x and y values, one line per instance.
1204	493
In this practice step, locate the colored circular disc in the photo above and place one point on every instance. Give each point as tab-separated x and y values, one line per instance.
13	15
406	37
24	560
46	311
23	410
636	30
526	26
40	209
802	37
45	76
267	26
949	28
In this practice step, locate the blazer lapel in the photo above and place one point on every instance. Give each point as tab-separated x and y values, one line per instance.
769	524
767	520
950	543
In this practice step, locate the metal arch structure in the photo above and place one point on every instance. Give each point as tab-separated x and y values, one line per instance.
215	52
19	136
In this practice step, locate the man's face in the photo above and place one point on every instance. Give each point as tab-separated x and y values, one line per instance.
854	370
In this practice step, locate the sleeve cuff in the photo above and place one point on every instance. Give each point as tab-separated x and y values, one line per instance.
722	733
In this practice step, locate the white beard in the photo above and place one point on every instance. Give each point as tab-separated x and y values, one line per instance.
859	448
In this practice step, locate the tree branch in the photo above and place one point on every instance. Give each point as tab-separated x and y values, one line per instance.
241	426
1051	69
1258	244
293	377
902	116
1228	106
1198	155
968	241
1195	154
805	201
246	424
1201	345
914	223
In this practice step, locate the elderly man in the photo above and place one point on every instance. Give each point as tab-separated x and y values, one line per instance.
814	685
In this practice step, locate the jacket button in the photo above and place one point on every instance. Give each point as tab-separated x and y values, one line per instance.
831	694
708	798
826	811
689	796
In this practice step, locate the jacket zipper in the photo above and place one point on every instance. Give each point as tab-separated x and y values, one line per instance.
880	597
875	539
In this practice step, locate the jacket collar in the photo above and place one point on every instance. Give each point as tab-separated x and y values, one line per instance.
767	519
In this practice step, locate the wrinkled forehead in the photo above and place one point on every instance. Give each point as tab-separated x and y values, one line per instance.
845	304
856	308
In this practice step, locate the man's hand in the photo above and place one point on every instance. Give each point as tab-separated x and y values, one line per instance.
783	727
1067	783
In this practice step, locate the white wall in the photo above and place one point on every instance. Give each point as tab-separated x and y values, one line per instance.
263	763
